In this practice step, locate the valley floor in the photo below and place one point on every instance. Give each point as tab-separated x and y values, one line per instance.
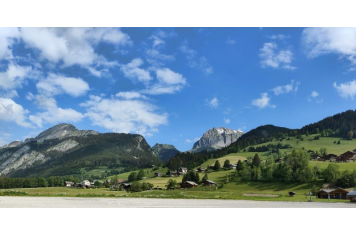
67	202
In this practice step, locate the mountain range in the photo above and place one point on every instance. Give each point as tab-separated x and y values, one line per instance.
65	150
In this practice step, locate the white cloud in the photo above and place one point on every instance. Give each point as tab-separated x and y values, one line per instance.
314	94
341	41
278	36
230	41
169	82
347	89
154	54
7	38
133	71
129	95
292	87
272	57
263	101
124	116
188	141
16	75
168	76
213	103
71	45
195	61
58	84
227	121
52	113
10	111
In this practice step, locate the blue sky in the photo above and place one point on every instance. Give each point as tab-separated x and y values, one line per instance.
172	84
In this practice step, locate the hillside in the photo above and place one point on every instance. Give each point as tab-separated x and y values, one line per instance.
64	150
164	151
337	126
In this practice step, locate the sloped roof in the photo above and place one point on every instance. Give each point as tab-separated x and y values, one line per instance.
352	193
190	182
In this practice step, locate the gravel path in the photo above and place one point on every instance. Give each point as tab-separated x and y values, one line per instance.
67	202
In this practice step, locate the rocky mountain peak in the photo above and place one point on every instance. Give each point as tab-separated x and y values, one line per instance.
216	138
63	130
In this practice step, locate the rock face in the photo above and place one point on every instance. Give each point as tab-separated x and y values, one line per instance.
64	150
214	139
164	151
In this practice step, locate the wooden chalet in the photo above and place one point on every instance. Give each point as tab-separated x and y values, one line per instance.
346	157
352	196
126	186
68	184
157	174
172	173
329	157
182	170
315	157
232	166
208	183
188	184
201	170
338	193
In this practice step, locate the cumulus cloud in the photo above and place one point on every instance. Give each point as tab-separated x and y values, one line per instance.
292	87
271	56
10	111
213	103
168	82
314	94
52	113
340	41
124	116
188	141
347	89
263	101
7	38
71	45
129	95
16	75
194	60
58	84
227	121
133	71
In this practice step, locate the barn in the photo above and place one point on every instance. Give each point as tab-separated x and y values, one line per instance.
337	193
188	184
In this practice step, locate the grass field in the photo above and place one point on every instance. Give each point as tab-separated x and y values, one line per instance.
239	191
351	166
315	145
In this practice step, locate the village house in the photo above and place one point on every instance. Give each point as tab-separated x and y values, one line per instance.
352	196
157	174
329	157
188	184
68	184
208	183
337	193
85	183
346	157
126	186
315	157
200	170
233	167
182	170
172	173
